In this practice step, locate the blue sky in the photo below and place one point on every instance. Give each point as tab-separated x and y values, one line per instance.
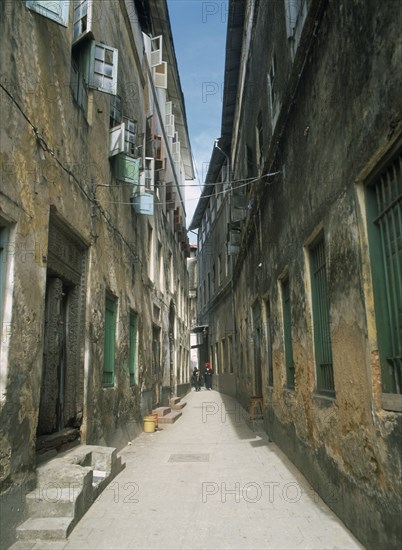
199	35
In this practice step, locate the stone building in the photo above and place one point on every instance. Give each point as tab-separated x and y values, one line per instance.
93	276
214	263
192	268
312	133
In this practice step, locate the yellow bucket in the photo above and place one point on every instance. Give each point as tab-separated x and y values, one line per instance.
149	424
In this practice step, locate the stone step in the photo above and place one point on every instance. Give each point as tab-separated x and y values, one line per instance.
174	401
49	528
62	473
179	406
170	418
66	488
45	502
162	411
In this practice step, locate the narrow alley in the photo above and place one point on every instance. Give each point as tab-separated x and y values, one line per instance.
198	193
211	480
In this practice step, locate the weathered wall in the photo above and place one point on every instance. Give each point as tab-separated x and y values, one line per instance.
345	108
39	192
215	305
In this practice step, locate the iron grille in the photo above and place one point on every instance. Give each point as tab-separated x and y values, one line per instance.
287	329
388	193
322	333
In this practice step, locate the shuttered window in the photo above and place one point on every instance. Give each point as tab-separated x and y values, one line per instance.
384	218
133	347
109	340
322	333
3	265
287	333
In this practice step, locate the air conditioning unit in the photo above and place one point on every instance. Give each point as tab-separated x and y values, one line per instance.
127	169
143	204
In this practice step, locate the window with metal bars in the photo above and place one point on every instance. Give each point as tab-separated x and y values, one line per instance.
133	347
287	333
268	335
384	219
109	340
321	322
3	265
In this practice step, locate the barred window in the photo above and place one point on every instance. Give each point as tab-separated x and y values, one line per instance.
287	333
322	335
384	219
109	340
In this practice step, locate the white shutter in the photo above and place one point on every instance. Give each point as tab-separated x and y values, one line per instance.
168	108
56	10
116	140
149	174
156	51
170	129
176	151
142	182
83	17
160	75
103	68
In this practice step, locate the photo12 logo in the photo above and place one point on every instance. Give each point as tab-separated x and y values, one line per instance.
290	492
215	11
212	89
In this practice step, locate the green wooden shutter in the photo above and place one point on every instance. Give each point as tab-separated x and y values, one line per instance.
3	266
133	347
287	330
109	341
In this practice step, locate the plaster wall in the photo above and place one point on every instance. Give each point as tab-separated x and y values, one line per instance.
343	109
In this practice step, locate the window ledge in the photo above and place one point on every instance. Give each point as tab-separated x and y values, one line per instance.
392	402
289	391
324	400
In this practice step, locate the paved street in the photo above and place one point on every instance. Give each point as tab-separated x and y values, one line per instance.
207	481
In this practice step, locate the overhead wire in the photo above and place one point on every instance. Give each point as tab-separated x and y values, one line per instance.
43	144
249	181
45	147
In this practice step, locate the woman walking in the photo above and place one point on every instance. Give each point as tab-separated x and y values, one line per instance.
208	375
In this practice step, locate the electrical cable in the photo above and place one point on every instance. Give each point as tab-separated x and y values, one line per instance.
45	147
252	180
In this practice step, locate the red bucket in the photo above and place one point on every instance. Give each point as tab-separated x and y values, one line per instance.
155	418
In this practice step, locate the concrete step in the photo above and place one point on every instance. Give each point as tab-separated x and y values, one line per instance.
63	474
170	418
45	528
162	411
45	502
174	401
179	406
66	488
